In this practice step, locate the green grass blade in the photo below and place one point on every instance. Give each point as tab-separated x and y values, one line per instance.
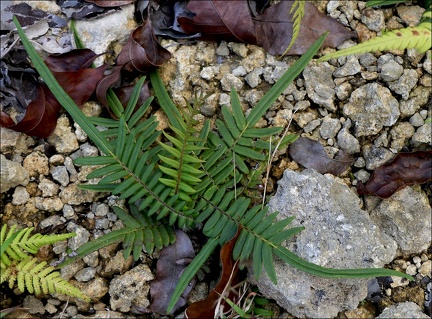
317	270
63	98
133	98
277	89
165	101
191	270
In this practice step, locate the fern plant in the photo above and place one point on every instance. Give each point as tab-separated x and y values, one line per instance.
418	37
18	266
195	178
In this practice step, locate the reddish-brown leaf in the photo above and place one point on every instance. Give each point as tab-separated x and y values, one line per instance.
40	118
228	20
405	169
81	84
110	3
72	71
70	61
230	277
105	83
142	52
274	29
311	154
232	21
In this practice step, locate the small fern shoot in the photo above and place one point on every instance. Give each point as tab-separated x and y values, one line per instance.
19	267
297	11
418	37
180	162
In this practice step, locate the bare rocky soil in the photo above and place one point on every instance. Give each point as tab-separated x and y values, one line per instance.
372	106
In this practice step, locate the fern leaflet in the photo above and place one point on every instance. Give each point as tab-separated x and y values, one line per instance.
419	37
139	231
297	11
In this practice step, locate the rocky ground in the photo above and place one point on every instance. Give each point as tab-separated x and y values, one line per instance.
371	106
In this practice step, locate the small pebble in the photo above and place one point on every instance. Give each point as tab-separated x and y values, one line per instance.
411	270
426	268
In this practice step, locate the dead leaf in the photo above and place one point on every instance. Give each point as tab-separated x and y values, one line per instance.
28	16
142	52
40	118
110	3
216	20
70	61
171	263
229	278
233	21
41	109
77	9
72	71
124	93
274	29
165	23
311	154
405	169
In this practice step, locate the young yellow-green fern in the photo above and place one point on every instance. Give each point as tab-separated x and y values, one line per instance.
418	37
298	11
18	266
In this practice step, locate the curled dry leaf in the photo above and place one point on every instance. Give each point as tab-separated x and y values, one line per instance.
405	169
171	263
41	116
229	278
311	154
79	82
142	52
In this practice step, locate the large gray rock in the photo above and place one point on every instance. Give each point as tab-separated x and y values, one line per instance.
371	107
131	289
406	217
102	33
319	84
403	310
338	234
12	174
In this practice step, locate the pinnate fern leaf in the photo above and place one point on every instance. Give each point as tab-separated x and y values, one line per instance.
139	231
38	277
297	11
180	163
419	37
18	244
19	267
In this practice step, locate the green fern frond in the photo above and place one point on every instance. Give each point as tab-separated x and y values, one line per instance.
17	244
419	37
139	231
298	12
223	167
38	277
19	267
180	163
